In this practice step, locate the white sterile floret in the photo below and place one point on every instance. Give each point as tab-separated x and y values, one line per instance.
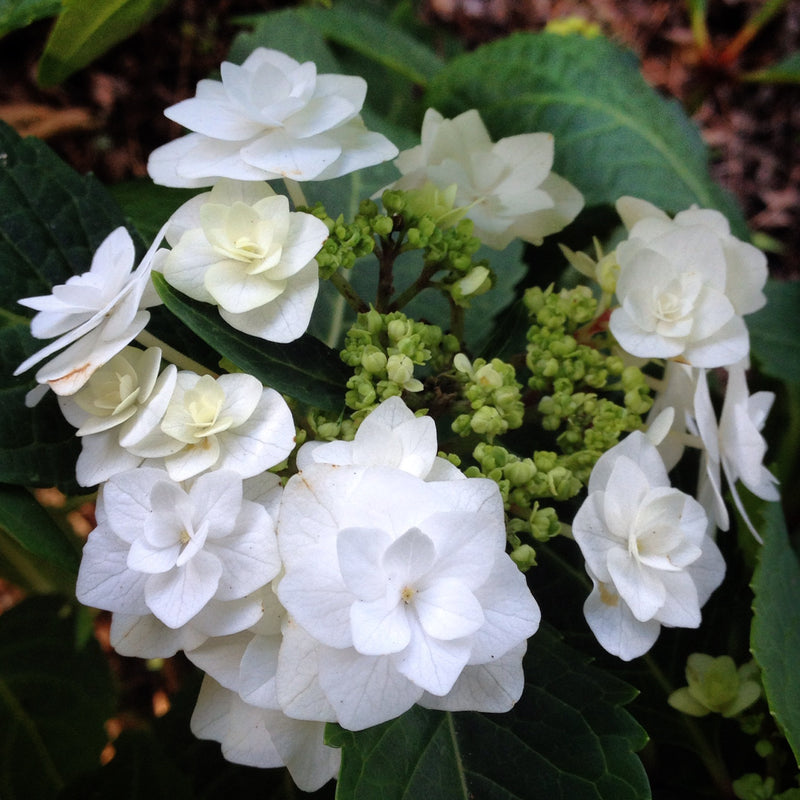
241	248
396	588
684	285
272	117
94	315
646	550
103	410
735	446
392	436
264	737
238	704
231	422
507	186
163	549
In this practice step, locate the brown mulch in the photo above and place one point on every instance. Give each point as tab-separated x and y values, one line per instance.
106	118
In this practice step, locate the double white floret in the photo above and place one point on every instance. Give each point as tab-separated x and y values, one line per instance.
647	550
506	188
94	315
241	248
269	118
684	285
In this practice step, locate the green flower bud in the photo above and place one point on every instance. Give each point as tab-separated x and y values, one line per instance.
524	557
373	360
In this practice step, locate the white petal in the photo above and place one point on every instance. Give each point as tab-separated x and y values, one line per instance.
447	610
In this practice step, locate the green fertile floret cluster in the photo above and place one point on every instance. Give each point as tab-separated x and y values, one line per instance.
563	368
448	244
384	350
494	396
347	242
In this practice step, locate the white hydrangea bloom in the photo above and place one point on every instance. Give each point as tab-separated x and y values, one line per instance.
103	411
684	285
646	550
269	118
231	422
94	315
507	186
264	737
162	549
392	436
241	248
395	586
735	446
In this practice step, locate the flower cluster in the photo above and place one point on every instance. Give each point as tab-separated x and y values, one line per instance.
364	572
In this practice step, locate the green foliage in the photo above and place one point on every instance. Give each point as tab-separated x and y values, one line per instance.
306	369
22	518
775	332
775	631
16	14
352	26
568	738
54	700
785	71
614	135
85	31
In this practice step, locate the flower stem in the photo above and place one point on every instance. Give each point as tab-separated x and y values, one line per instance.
707	754
345	288
295	192
174	356
422	282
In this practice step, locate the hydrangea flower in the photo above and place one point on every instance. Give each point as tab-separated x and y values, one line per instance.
163	549
735	446
647	550
684	285
392	436
239	247
231	422
94	315
104	410
395	587
269	118
507	186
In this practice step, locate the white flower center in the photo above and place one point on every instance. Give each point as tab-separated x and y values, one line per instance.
111	390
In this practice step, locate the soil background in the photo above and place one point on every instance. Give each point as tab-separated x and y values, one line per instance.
106	119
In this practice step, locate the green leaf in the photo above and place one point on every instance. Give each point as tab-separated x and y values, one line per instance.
566	739
85	31
775	632
305	369
775	331
354	28
32	527
146	205
785	71
54	700
38	447
16	14
53	220
614	135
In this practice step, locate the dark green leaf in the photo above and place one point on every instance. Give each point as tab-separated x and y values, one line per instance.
85	31
38	447
785	71
614	135
54	700
147	205
775	632
16	14
355	28
33	528
305	369
775	332
52	222
567	739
